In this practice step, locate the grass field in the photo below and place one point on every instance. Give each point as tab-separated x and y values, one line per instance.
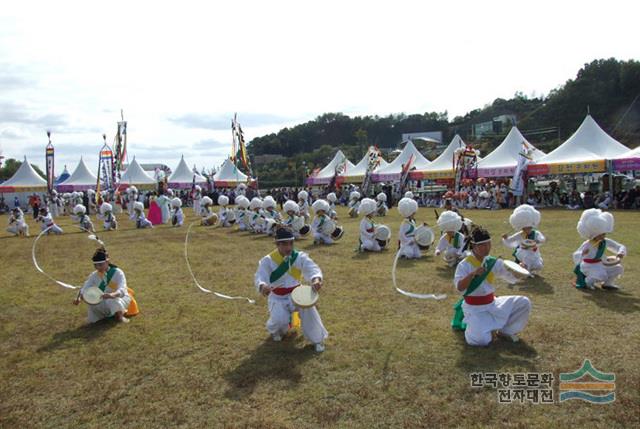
192	360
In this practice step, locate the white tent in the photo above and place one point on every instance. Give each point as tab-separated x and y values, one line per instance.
393	170
325	175
80	180
632	153
628	161
357	173
182	177
585	151
135	175
24	181
228	175
501	162
442	166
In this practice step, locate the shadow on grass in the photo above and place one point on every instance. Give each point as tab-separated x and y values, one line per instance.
84	333
270	361
445	272
618	301
499	354
535	286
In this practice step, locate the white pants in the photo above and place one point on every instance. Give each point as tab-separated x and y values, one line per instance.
54	228
19	228
107	308
280	310
144	223
598	273
532	260
410	250
323	238
110	225
509	314
196	207
371	245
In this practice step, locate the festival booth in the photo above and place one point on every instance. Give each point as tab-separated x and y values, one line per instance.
409	156
229	176
443	166
628	161
502	161
136	176
24	182
586	151
80	180
336	167
183	177
359	171
64	176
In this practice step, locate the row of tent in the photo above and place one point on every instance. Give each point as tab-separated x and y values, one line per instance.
586	151
26	179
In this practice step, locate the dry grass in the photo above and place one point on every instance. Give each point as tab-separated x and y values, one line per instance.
191	360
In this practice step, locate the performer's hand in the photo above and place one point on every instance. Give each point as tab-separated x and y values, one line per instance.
265	290
76	301
479	271
316	284
505	236
620	255
107	296
437	253
585	251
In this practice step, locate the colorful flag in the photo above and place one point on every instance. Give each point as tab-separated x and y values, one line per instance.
106	170
520	173
49	156
404	177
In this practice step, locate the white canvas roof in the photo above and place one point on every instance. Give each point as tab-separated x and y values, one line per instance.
135	175
183	175
394	169
81	176
588	143
633	153
326	174
25	177
445	160
360	169
506	154
229	173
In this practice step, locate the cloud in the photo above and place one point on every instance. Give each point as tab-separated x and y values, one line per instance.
16	113
223	122
14	133
208	145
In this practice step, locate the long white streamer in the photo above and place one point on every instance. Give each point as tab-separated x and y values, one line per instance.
35	261
437	297
195	281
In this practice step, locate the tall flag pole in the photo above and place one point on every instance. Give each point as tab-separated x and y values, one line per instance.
373	161
120	148
106	170
404	176
49	156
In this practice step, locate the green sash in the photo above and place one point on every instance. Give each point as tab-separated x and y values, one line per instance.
581	280
284	266
531	236
107	278
458	314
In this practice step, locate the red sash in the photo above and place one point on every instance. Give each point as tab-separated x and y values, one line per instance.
479	300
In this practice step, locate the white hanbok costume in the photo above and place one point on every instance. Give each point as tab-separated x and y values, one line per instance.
509	314
408	246
280	304
108	307
46	221
367	235
531	257
17	224
451	248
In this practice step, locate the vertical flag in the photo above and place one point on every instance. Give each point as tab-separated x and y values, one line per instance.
519	175
120	147
49	156
404	177
373	161
106	170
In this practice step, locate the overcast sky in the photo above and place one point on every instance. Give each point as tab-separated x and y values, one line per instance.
181	69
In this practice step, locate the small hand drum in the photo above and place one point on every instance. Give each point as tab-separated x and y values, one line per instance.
610	261
424	237
337	233
382	235
304	296
92	295
517	270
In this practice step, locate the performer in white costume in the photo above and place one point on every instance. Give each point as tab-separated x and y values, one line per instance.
117	299
106	215
80	215
451	242
354	203
332	198
590	269
367	226
320	208
17	224
408	246
177	216
303	203
242	212
197	199
527	241
256	219
278	274
382	209
226	215
139	217
46	221
480	312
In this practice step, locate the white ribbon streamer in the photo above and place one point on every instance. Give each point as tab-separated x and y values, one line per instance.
437	297
195	281
35	262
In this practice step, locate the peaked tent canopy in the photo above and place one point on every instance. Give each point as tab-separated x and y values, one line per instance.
135	175
229	175
357	173
393	171
442	166
627	161
182	176
502	161
325	175
80	180
584	152
25	179
64	176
